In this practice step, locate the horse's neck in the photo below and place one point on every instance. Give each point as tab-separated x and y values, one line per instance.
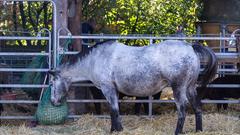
77	72
82	69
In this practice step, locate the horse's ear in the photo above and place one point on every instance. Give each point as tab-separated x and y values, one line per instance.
53	72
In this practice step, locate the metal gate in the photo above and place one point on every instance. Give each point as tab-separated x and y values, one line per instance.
55	50
43	35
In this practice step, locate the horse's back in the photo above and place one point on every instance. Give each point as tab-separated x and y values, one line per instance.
176	58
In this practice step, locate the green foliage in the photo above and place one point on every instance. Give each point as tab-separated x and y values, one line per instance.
147	16
112	16
26	19
98	10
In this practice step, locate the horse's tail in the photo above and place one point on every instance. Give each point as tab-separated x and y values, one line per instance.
209	61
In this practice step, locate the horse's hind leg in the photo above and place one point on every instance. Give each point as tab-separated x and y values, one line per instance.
111	95
137	106
97	94
196	105
179	93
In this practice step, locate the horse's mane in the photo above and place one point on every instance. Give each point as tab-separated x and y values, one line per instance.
87	50
109	41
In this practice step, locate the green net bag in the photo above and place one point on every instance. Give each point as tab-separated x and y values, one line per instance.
48	114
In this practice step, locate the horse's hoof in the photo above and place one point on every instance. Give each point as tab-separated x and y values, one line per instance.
180	133
32	124
117	129
199	130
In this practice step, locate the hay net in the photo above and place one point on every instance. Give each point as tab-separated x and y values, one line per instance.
47	113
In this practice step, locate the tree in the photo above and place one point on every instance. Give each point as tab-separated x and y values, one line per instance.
143	16
75	21
27	17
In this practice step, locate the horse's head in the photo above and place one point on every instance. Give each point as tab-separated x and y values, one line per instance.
59	87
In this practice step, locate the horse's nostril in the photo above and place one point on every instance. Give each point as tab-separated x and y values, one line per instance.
52	103
55	103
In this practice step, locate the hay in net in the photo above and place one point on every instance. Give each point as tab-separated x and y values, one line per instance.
47	113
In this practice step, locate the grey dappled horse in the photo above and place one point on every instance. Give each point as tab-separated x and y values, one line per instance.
140	71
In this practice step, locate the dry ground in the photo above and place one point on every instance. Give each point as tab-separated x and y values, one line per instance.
215	123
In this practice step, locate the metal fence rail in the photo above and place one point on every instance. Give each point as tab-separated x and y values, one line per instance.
48	55
120	101
144	37
23	54
104	101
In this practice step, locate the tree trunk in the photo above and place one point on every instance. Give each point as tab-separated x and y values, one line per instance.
61	13
62	20
14	17
45	10
24	22
74	25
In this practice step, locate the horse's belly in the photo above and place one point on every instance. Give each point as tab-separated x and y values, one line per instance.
142	89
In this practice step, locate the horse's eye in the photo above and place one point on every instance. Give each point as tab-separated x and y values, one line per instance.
51	83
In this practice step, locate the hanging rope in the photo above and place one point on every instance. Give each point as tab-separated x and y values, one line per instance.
65	49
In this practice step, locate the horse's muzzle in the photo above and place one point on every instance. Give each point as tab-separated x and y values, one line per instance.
55	102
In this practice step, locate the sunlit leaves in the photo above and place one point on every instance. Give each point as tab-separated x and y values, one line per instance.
150	16
26	18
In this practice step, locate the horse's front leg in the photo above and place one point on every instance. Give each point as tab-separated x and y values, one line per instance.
111	95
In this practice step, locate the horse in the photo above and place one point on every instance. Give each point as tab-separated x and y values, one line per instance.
140	71
223	92
97	94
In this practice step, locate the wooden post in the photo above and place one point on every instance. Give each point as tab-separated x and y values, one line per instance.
75	22
62	8
62	22
74	25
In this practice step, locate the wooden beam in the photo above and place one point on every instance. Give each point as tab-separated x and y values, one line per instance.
62	8
75	23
